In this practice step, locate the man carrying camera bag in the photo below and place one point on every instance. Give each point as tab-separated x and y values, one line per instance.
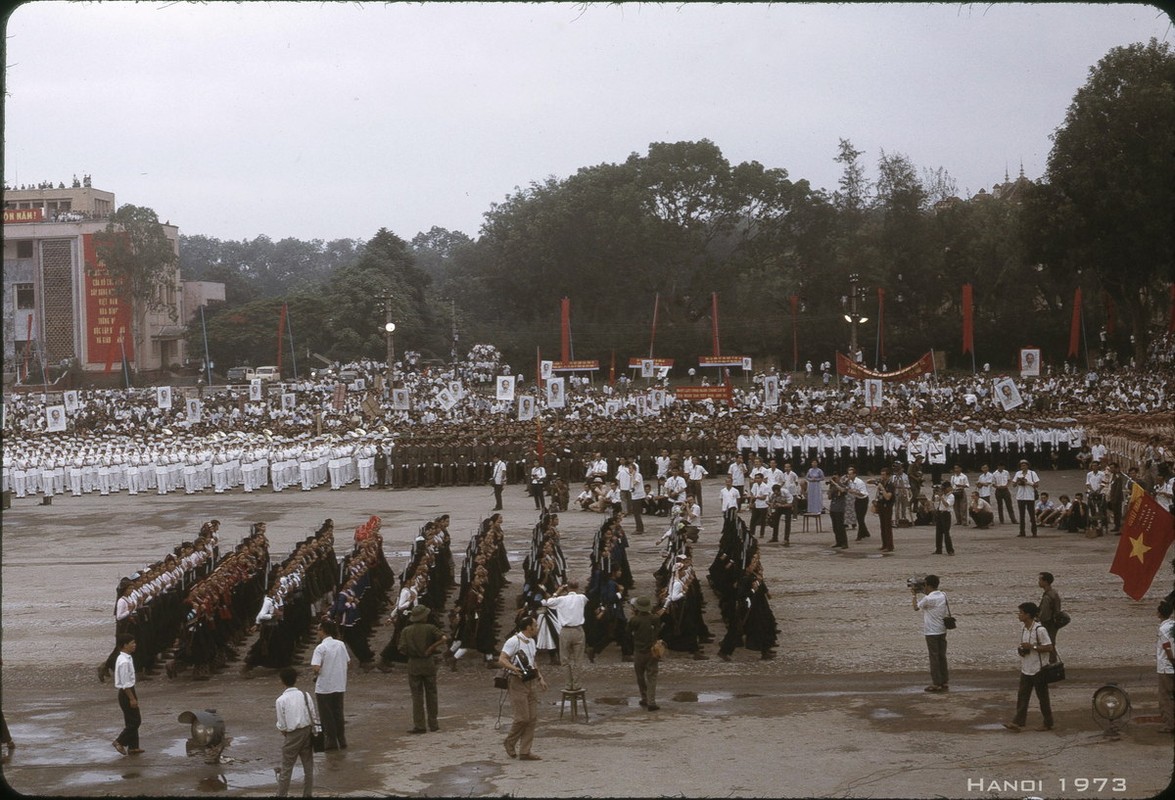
518	659
933	606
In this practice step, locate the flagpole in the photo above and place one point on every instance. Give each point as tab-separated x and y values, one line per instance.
293	353
1084	338
653	336
207	363
122	346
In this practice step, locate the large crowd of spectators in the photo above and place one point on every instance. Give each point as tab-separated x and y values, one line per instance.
308	433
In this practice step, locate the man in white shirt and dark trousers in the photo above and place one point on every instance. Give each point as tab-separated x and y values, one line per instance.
499	481
730	500
330	668
1001	480
1034	640
128	700
568	603
296	719
1166	666
1026	482
696	473
933	606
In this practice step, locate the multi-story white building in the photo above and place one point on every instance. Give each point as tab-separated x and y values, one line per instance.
57	305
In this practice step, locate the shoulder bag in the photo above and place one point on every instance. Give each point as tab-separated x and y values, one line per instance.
317	737
1061	619
949	622
1053	671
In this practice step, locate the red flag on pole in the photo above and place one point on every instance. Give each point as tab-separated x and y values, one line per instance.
565	307
1075	325
1147	533
281	326
612	370
880	322
968	322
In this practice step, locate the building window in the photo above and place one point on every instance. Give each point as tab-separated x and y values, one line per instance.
25	297
24	248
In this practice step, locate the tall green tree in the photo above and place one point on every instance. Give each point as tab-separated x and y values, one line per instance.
141	262
1112	171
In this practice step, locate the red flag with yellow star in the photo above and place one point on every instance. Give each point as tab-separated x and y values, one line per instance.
1147	532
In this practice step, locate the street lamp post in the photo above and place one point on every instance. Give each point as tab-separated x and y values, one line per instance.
853	317
389	330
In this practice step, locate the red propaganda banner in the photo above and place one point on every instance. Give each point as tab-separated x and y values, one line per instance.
575	366
107	319
635	363
704	392
720	361
850	369
23	215
1147	533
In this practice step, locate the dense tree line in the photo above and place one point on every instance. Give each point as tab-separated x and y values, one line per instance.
682	222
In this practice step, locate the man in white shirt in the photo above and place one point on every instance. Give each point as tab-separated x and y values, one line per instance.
296	719
329	662
128	700
525	679
624	483
737	472
598	467
696	473
568	604
984	483
1034	641
675	487
1002	482
638	499
746	444
1026	482
1098	451
858	490
1096	484
959	487
760	494
933	606
498	479
662	462
1166	666
730	500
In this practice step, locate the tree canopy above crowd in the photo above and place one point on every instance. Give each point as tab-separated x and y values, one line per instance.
681	222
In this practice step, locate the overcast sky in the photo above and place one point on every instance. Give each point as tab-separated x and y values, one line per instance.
332	120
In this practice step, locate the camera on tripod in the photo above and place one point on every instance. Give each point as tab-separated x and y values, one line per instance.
916	584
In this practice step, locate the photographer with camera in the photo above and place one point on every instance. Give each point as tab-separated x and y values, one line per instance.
525	679
1026	483
934	608
1034	640
943	501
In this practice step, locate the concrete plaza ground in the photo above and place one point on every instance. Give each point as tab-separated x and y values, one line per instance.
839	713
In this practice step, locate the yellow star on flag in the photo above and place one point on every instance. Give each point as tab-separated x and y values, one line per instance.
1138	549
